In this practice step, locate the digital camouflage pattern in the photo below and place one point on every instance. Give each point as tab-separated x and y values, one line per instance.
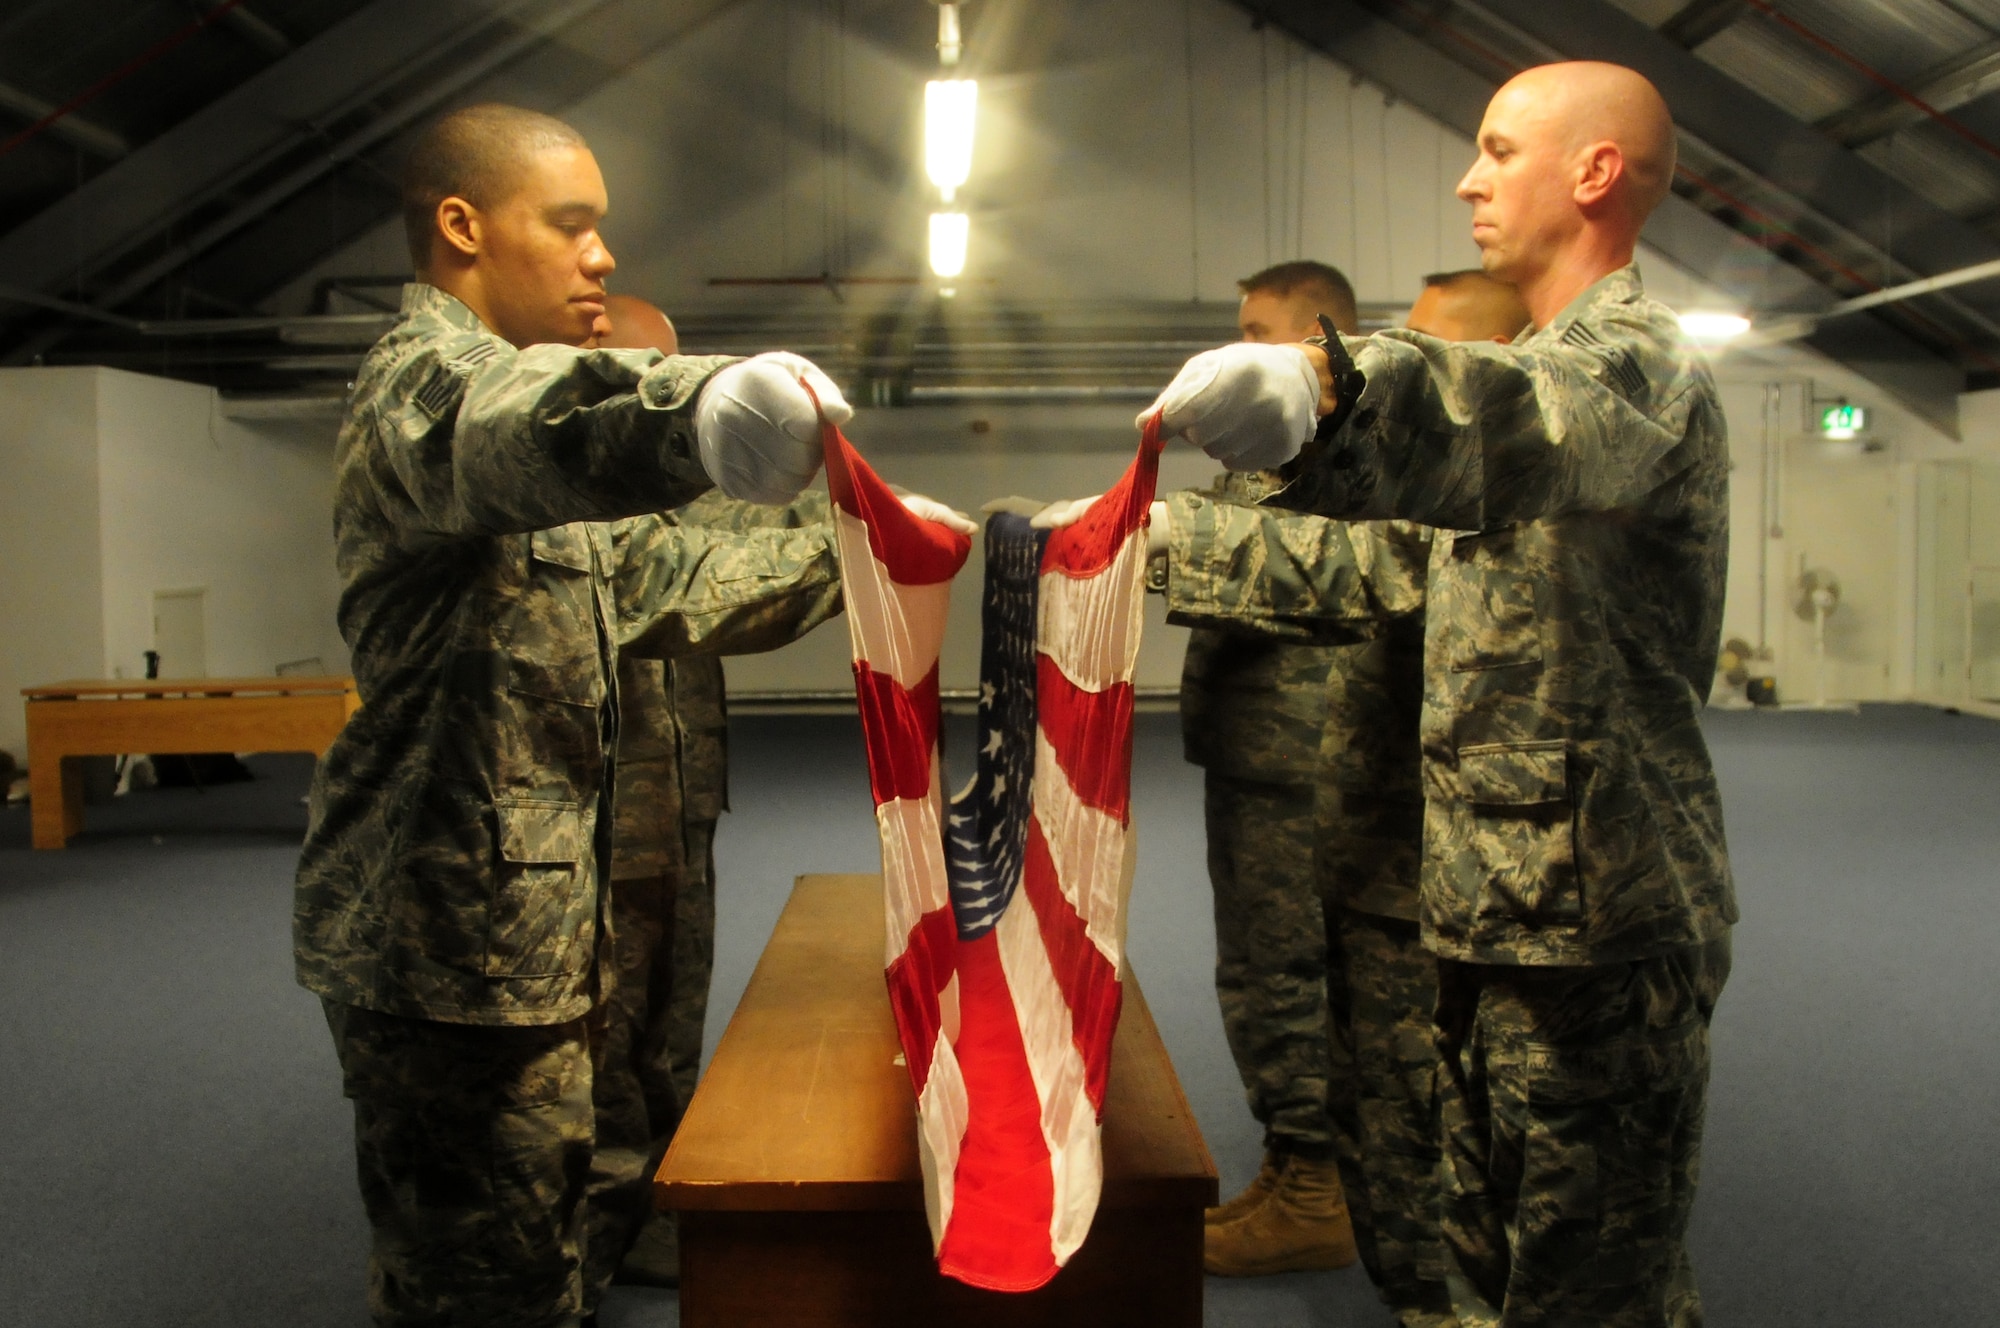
458	828
1571	810
1571	1102
472	1144
671	787
1383	1103
1250	714
1251	704
1270	955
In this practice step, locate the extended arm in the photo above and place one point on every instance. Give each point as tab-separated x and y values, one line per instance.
1475	435
685	589
1283	574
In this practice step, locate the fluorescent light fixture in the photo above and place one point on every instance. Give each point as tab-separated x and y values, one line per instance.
950	107
1713	329
949	233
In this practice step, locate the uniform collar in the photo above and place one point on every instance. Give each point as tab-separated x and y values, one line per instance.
1620	287
422	298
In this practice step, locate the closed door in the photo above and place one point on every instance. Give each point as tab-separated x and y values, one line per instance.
180	632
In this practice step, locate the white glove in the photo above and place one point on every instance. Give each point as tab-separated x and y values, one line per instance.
1157	530
1064	513
757	430
1248	405
930	509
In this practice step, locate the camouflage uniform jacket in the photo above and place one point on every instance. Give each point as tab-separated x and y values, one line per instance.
673	726
1242	567
1571	810
1250	704
457	835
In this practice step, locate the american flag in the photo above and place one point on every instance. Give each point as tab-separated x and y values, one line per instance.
1006	908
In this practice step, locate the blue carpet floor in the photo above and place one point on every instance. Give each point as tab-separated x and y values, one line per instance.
174	1148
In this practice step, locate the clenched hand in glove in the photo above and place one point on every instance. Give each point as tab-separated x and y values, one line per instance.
758	428
1250	406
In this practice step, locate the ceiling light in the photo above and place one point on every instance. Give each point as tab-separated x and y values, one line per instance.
950	107
949	233
1713	329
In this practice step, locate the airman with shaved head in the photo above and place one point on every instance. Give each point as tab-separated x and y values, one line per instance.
1574	884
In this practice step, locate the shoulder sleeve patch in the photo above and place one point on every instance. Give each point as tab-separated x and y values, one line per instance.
1619	367
440	392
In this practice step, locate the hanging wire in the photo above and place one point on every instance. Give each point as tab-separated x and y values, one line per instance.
825	152
1264	128
785	141
1194	226
1305	106
1388	204
1353	191
846	175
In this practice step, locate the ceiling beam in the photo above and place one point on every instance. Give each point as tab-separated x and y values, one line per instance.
75	130
1698	20
1456	96
251	28
1760	136
1957	82
245	131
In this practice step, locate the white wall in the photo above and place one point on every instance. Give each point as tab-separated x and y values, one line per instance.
114	485
50	625
193	498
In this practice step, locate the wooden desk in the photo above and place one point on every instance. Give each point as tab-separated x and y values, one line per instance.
796	1175
98	718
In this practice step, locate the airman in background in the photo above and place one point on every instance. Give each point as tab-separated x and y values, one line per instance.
1251	712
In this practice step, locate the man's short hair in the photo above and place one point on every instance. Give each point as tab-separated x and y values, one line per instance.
1326	287
471	154
1462	277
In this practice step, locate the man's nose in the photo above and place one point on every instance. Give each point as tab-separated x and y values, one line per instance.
1472	186
597	261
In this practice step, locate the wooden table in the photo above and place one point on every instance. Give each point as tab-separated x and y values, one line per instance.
796	1177
97	718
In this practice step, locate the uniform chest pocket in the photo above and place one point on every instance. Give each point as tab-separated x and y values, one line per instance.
552	639
1522	848
1490	601
542	922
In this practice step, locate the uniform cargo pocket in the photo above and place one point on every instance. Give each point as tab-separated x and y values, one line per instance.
1522	847
542	922
561	546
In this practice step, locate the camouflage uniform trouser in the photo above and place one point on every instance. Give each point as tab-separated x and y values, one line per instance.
664	940
473	1145
1382	1097
1571	1107
1271	955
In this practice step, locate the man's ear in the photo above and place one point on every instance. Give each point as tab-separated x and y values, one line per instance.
1599	169
459	223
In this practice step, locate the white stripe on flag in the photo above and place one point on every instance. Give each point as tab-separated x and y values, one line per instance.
1088	849
1090	628
913	876
942	1113
897	629
1069	1122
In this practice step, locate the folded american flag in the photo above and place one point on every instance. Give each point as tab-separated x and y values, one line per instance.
1006	911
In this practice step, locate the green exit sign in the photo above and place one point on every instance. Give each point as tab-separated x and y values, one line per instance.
1843	420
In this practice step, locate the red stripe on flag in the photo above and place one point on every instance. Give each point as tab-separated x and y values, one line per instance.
916	552
1089	983
900	730
1004	1198
1087	546
1091	735
916	976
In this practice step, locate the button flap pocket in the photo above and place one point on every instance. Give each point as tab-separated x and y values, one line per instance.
1532	774
562	546
533	831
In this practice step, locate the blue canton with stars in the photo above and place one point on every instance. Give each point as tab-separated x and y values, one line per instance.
987	834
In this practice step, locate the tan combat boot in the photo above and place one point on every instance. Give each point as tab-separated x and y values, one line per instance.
1302	1226
1253	1194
